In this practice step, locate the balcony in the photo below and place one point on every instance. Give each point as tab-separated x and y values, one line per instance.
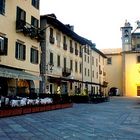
66	72
65	46
28	30
52	40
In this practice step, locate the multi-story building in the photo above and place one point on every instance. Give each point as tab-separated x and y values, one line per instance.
123	66
19	46
67	65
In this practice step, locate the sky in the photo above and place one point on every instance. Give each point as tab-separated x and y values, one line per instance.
96	20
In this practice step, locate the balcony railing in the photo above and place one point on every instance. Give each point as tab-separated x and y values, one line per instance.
66	72
29	30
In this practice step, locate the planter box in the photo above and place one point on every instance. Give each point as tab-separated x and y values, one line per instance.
42	108
47	107
26	110
35	109
67	105
6	113
16	111
53	106
58	106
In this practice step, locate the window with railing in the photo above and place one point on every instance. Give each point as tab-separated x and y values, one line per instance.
2	7
34	56
20	51
3	45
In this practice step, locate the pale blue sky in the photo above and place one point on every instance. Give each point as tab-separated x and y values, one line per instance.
96	20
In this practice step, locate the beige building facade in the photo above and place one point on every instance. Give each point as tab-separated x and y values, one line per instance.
19	47
69	59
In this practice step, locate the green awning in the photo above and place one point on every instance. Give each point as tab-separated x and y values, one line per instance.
17	74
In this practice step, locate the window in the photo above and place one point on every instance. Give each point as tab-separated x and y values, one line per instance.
88	59
65	62
138	59
3	45
71	65
92	60
96	62
76	66
51	36
97	75
93	73
88	72
85	57
51	32
34	21
58	60
51	58
21	14
34	56
20	51
85	71
64	43
2	7
35	3
109	60
80	66
58	38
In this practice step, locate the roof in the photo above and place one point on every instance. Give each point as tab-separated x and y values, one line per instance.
112	51
52	20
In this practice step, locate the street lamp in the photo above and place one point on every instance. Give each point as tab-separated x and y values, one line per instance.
43	60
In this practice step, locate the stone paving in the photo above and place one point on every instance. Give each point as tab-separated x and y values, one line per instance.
118	119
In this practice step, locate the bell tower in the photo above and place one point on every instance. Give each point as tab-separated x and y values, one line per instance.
126	36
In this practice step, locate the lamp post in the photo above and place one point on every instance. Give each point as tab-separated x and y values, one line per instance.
43	60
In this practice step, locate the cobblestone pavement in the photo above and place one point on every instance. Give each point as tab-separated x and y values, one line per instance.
118	119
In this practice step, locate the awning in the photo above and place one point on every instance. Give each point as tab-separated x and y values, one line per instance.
17	74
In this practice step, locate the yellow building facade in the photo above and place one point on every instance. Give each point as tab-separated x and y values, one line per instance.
123	64
19	47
